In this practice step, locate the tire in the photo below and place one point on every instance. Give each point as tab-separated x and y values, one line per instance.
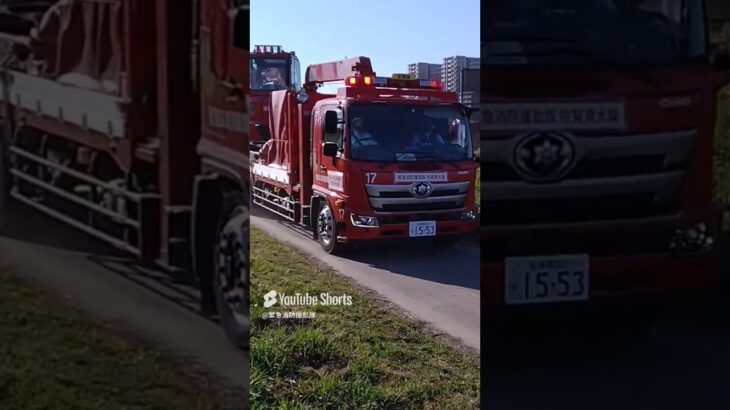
326	229
231	269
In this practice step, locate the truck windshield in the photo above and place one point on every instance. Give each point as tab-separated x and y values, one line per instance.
269	74
400	133
622	32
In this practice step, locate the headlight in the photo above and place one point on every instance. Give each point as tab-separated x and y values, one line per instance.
364	221
693	238
468	216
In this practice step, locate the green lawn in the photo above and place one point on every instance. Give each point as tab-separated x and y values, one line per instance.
360	356
53	357
479	188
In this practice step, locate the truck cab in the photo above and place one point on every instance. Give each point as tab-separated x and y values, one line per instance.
597	148
270	69
393	185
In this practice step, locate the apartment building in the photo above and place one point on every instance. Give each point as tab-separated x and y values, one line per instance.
425	71
451	71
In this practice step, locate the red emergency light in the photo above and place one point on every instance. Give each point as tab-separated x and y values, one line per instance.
370	81
358	81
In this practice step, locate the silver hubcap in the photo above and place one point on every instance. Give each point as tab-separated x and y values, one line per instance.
325	225
232	264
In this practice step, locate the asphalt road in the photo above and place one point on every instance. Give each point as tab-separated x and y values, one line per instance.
114	288
682	362
437	286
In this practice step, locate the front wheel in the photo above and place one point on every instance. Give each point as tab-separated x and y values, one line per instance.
231	273
327	230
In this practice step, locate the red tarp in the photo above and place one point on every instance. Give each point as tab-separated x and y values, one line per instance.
81	42
277	151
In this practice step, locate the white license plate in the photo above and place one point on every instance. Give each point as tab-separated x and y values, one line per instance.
546	279
421	228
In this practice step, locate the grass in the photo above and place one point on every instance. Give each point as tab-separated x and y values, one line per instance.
479	188
52	357
361	356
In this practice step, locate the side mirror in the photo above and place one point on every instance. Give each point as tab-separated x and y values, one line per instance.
471	111
331	120
330	149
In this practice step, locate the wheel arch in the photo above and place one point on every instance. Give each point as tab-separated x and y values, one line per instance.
314	206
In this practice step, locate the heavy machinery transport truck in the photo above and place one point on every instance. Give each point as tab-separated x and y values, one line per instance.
127	119
597	149
383	158
271	69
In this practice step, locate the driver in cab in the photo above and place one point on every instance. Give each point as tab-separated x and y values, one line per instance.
273	76
426	134
358	136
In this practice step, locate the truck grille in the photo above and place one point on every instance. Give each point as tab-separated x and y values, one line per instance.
398	198
621	177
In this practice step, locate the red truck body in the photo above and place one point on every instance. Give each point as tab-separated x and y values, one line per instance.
271	69
597	183
346	198
127	120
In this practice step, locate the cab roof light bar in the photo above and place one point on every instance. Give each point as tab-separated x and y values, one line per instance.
370	81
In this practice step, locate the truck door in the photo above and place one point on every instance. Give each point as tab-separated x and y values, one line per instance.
329	170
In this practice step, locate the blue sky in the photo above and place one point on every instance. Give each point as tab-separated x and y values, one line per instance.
393	33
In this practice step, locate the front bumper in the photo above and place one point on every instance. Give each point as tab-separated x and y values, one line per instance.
398	230
626	263
626	278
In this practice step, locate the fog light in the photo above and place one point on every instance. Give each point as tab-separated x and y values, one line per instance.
693	238
364	221
468	216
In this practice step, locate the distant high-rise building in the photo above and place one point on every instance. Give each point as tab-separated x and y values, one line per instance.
451	71
469	87
425	71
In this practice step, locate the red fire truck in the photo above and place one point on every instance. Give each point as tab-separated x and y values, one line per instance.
597	150
110	126
382	158
271	69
